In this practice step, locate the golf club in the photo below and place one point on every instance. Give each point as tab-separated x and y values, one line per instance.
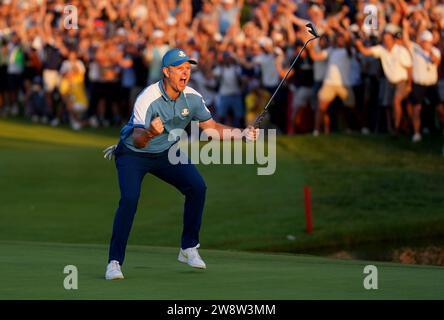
312	31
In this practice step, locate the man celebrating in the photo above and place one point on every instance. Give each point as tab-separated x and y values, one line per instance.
425	60
143	148
396	64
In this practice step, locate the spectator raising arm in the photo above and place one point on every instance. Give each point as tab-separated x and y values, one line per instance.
363	49
405	34
279	64
110	11
317	55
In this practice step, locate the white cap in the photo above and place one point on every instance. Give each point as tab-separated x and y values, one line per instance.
218	37
264	41
392	28
354	28
121	32
426	35
411	8
158	34
315	6
170	21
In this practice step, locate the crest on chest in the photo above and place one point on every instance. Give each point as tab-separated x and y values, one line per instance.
185	112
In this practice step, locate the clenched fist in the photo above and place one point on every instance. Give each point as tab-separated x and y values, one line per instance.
251	134
156	127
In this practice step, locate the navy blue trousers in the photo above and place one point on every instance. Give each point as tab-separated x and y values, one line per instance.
131	168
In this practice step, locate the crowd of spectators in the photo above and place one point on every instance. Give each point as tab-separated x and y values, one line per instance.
376	68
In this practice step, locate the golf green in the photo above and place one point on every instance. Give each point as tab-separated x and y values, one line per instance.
58	199
33	270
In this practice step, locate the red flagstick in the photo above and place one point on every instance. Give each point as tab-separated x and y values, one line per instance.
307	197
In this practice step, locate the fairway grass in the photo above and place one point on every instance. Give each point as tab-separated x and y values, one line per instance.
58	197
56	187
35	271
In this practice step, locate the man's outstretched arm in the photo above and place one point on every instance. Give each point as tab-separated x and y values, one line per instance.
220	131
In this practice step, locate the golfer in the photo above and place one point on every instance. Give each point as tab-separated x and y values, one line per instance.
143	148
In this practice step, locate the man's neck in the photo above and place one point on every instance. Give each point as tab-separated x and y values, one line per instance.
391	47
172	94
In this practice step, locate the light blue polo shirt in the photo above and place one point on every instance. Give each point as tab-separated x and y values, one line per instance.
152	102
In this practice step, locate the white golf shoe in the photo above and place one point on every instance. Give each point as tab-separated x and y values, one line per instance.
191	257
113	271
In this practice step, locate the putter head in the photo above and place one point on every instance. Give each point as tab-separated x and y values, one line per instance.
312	30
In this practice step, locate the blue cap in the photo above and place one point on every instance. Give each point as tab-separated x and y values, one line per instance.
175	57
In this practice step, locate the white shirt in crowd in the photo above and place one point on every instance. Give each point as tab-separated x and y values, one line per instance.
228	77
424	71
338	68
68	66
319	68
270	75
204	86
94	71
394	62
